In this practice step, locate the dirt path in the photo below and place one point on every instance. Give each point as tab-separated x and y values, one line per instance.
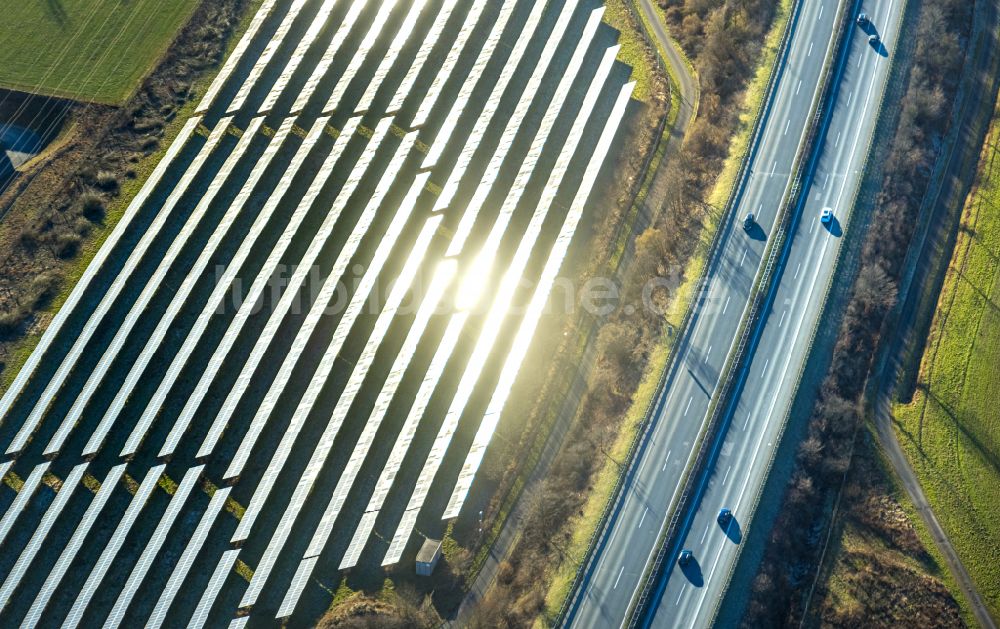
926	265
688	84
511	531
689	92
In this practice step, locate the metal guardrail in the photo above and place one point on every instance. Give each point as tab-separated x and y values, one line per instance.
628	468
762	292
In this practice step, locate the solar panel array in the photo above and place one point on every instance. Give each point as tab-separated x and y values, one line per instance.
298	315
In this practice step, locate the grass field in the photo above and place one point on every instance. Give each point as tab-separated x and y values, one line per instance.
951	428
631	53
88	50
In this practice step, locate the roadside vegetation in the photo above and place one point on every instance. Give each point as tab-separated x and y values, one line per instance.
59	210
834	447
950	430
86	50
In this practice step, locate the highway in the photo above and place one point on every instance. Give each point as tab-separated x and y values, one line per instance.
690	595
608	589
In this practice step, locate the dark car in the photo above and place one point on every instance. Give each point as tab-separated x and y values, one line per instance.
748	222
873	40
725	515
685	557
862	19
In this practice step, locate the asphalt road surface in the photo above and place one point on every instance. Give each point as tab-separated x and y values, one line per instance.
683	403
690	595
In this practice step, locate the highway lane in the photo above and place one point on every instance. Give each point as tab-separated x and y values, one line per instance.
683	402
690	595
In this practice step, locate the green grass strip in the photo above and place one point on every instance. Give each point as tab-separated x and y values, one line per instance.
950	431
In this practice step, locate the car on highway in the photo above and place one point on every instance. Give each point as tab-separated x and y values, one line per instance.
862	19
826	216
748	221
685	557
724	517
873	40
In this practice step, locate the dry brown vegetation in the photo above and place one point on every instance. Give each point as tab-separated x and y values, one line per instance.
723	38
57	208
393	610
882	576
826	454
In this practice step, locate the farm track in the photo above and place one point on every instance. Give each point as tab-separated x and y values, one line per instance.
215	448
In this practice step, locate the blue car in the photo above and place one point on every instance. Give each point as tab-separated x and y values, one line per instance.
826	216
685	558
725	515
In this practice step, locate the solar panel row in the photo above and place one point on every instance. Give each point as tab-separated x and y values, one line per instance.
38	537
236	56
326	293
392	54
113	546
305	405
540	297
499	308
442	279
215	300
318	24
265	58
322	450
156	281
221	353
444	73
72	548
360	55
180	571
321	68
378	170
121	228
138	252
405	438
492	172
25	494
501	83
141	569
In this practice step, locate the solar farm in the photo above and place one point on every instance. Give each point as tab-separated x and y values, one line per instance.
292	353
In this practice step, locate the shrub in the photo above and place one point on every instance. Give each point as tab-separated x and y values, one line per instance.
67	245
92	205
107	180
